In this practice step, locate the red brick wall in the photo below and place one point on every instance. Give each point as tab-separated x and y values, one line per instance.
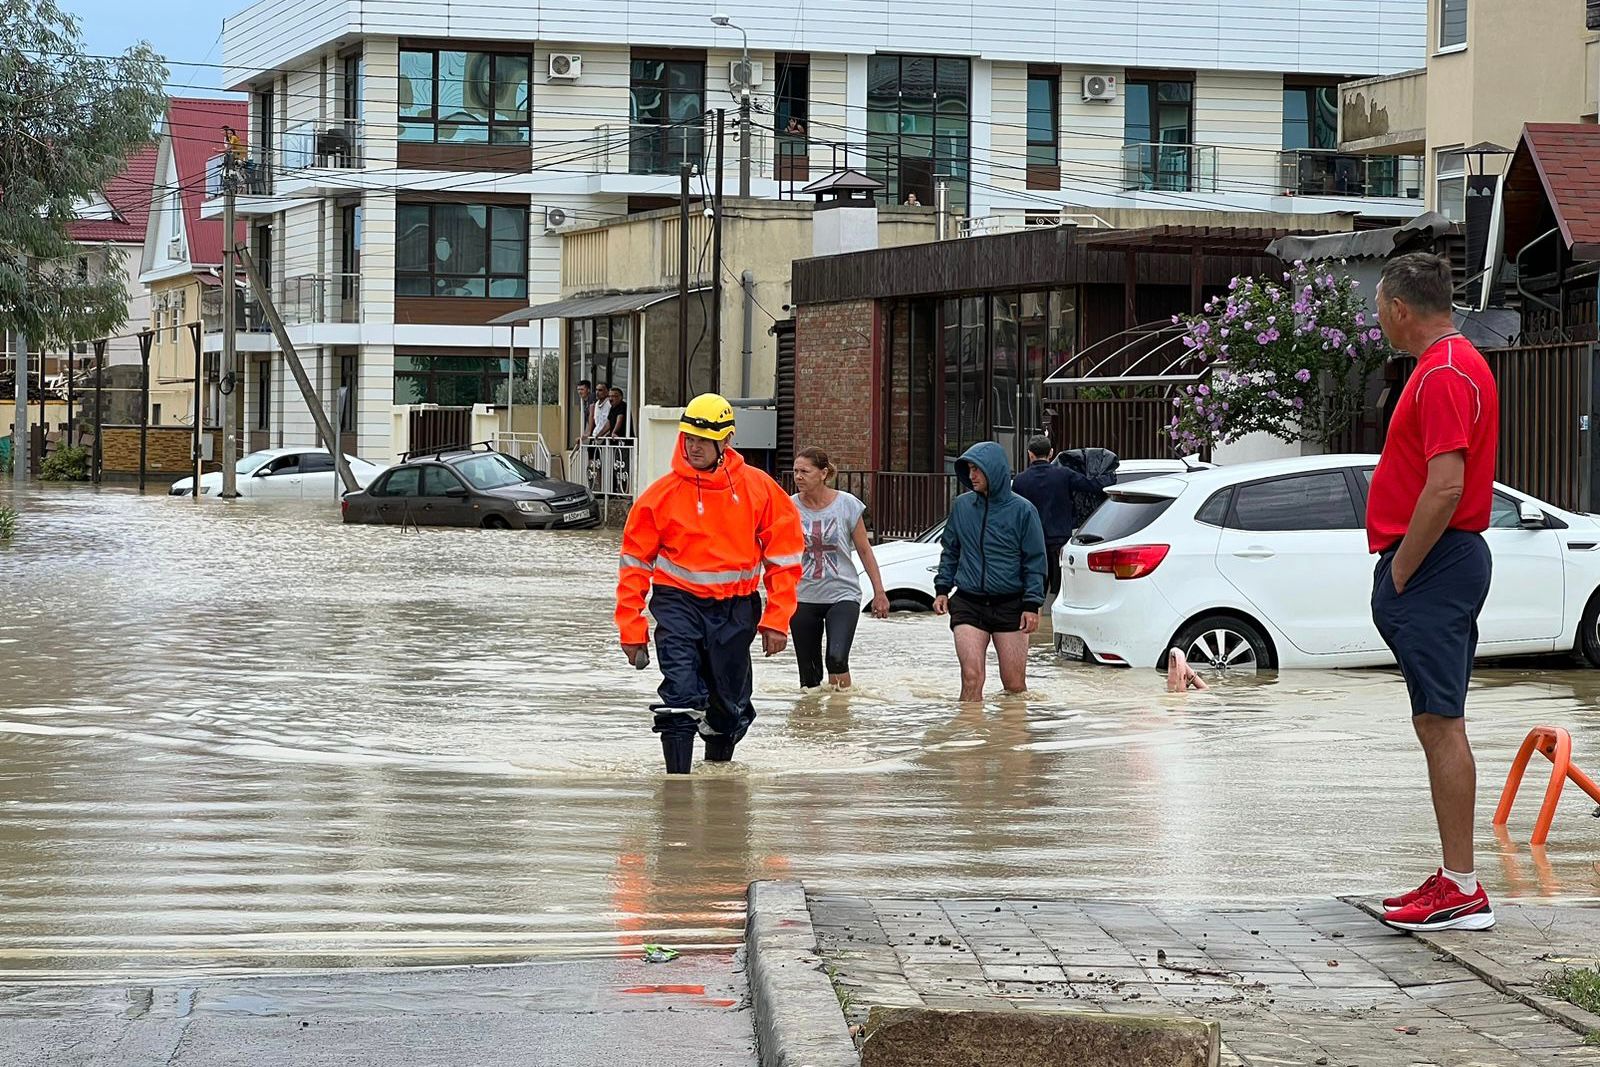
837	402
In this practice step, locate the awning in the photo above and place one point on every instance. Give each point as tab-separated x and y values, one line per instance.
1364	244
591	307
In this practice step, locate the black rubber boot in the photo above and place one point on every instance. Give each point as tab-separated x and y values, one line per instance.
719	749
679	752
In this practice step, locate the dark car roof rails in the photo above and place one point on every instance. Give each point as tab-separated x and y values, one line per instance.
447	450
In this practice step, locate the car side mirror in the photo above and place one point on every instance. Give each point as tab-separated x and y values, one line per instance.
1530	517
456	492
263	472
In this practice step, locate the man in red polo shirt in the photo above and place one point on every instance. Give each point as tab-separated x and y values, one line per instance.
1429	502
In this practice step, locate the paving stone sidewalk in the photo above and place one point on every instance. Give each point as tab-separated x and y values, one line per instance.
1319	984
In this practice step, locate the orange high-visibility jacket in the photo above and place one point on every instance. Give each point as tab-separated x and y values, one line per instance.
712	534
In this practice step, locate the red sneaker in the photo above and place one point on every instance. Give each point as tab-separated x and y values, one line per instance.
1445	907
1416	894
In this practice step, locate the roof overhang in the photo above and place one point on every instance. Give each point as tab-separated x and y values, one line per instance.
591	307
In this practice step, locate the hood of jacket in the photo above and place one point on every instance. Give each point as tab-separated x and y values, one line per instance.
991	459
720	479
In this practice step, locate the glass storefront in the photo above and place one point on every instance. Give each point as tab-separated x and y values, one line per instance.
599	351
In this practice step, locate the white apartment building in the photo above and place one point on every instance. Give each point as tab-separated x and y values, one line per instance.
414	165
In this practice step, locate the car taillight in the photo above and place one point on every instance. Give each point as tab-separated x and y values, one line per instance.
344	505
1135	561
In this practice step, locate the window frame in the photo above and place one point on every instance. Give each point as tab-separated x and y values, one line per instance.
489	276
1051	79
886	150
263	394
652	149
382	488
1455	176
1158	174
489	125
488	375
1353	494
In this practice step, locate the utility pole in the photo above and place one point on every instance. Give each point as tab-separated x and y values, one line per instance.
941	200
716	267
19	438
199	409
744	101
146	336
230	296
99	406
684	171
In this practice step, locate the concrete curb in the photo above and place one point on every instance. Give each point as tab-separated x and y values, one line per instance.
797	1015
1488	971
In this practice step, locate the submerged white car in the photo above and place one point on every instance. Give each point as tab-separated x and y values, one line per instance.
908	567
284	474
1266	565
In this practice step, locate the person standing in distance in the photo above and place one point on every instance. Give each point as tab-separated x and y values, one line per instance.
1428	505
830	591
706	535
1053	489
993	560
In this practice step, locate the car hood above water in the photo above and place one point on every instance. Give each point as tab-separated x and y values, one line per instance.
545	489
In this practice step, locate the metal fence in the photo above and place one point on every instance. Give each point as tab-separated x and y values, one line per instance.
530	448
606	466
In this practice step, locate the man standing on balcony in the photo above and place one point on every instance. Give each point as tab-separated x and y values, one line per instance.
707	536
1428	505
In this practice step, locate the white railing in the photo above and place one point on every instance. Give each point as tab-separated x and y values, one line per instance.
528	447
606	465
990	224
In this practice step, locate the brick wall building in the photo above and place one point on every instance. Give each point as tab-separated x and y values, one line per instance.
167	450
837	396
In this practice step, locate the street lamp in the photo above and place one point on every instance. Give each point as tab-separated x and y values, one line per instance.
744	103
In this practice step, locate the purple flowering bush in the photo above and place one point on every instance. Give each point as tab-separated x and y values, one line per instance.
1291	357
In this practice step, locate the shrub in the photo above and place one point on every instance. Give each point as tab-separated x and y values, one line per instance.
66	464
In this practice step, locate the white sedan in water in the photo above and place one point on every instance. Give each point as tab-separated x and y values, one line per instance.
1266	565
284	474
908	567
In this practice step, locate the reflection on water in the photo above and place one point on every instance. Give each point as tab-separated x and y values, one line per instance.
246	737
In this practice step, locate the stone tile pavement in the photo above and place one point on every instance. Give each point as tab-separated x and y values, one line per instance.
1318	984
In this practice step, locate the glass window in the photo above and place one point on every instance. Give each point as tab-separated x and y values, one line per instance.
437	481
1452	23
1302	502
493	471
452	381
1120	516
315	462
1157	131
791	119
401	482
1450	184
668	107
1311	116
918	126
263	395
1044	111
1215	511
457	97
461	250
1505	513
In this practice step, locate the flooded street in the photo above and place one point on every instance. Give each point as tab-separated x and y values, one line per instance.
249	738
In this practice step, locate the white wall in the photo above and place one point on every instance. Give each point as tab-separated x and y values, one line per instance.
1243	115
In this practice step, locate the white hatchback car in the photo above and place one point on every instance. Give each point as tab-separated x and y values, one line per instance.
284	474
908	567
1265	565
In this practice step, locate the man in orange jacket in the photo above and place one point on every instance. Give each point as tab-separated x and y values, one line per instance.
706	535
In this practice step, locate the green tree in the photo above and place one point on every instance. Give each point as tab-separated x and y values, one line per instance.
70	122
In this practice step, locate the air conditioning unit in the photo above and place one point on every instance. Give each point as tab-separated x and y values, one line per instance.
743	76
175	248
1099	87
565	66
557	218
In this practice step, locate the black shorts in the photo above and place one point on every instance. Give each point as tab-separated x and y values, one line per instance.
991	614
1432	628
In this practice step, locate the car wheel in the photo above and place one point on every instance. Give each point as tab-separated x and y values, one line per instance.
908	602
1589	631
495	522
1224	644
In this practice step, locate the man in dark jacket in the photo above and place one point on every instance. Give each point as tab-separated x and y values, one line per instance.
994	560
1054	490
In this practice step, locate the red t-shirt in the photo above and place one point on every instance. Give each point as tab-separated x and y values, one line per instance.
1449	405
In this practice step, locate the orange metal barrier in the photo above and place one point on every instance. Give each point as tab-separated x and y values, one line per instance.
1555	744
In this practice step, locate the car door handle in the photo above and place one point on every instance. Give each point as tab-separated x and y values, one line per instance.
1255	553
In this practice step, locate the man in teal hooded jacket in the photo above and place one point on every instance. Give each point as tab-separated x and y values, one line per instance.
994	564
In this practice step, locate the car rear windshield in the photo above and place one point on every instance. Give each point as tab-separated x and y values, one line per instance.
492	471
1120	516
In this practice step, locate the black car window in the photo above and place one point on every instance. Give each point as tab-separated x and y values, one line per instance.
1300	502
436	481
284	465
1121	516
401	482
1215	511
315	462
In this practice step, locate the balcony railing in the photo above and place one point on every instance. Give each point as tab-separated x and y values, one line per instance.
1170	168
1325	172
650	148
336	144
255	176
248	316
320	298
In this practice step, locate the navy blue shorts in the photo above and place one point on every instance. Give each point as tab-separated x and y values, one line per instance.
1432	628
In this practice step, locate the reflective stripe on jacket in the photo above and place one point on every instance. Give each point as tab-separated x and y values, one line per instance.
714	534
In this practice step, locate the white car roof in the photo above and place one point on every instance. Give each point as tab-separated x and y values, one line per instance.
1209	479
298	450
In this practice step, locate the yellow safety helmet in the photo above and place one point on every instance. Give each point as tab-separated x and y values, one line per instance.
708	415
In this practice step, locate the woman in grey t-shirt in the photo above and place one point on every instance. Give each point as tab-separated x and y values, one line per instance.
830	592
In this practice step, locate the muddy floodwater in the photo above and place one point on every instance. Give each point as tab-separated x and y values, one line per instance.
248	738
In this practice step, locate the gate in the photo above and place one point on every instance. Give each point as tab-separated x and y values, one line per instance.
436	428
1118	393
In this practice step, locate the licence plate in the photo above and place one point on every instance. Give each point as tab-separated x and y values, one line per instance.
1073	646
575	516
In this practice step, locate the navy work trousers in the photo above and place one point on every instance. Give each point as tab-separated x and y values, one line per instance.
703	647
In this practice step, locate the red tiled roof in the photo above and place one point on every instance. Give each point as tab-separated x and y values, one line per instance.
1567	158
129	195
195	127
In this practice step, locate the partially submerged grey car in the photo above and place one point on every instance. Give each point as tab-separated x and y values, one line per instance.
471	486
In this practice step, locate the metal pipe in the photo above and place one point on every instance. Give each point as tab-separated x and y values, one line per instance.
199	408
1518	261
146	335
683	285
716	268
99	406
747	282
19	442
